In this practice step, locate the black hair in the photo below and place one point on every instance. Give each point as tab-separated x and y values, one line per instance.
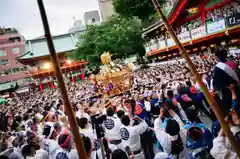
119	154
82	122
18	118
133	105
109	111
30	110
36	110
158	80
87	144
58	106
25	117
14	125
47	108
26	150
221	53
34	119
189	83
127	101
166	113
4	157
163	86
170	94
57	125
195	133
46	130
62	138
31	141
120	113
125	120
172	127
60	102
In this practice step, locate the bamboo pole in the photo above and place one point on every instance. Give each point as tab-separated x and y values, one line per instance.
203	87
58	73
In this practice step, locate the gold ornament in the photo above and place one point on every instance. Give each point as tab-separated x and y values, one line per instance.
106	58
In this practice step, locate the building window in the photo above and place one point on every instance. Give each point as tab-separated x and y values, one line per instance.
15	50
3	53
15	70
3	62
14	40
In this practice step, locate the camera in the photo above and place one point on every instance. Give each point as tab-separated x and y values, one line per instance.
98	119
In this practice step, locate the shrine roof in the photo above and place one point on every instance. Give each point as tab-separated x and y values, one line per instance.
38	47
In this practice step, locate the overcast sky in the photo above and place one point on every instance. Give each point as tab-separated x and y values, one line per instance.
24	15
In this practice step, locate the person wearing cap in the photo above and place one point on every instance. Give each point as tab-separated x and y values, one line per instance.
112	127
65	149
131	136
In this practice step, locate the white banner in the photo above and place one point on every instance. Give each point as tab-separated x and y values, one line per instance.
198	32
153	46
216	26
161	44
183	37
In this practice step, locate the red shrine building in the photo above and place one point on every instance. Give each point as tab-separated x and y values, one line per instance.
37	60
200	25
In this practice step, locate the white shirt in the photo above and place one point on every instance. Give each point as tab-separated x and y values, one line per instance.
40	154
131	135
165	139
50	146
84	115
73	154
16	153
88	132
206	83
112	127
222	149
147	105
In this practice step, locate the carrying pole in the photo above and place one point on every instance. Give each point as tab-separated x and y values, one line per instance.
58	73
203	87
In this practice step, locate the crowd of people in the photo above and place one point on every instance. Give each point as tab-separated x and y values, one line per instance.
159	117
231	10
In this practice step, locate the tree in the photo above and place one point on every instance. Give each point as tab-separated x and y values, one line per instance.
142	9
119	36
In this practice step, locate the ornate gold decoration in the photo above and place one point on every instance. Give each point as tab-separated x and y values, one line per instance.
113	78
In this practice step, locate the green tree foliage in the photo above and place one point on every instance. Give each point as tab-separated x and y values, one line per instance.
142	9
119	36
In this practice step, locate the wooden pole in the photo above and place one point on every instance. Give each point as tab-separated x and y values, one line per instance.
203	87
58	73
